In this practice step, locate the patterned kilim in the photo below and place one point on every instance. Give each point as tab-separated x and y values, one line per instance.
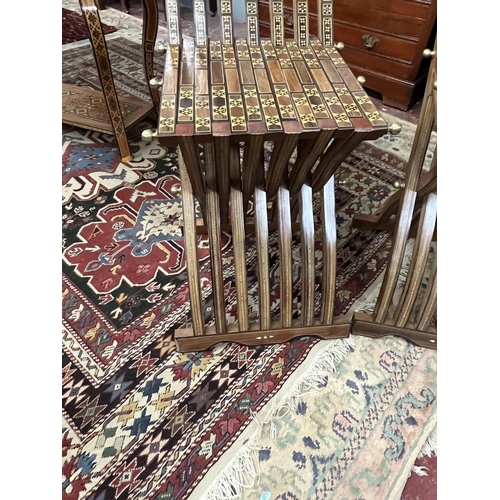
140	420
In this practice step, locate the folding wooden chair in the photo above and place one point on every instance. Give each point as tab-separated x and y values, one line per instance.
227	95
410	313
103	110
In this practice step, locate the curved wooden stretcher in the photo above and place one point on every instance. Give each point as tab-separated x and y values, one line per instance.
227	97
410	315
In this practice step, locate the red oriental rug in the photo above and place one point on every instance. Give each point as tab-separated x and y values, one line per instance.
140	420
75	29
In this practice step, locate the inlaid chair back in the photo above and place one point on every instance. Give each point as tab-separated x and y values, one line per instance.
410	311
230	98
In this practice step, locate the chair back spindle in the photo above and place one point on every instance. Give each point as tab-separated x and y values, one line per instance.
252	10
200	23
172	11
301	22
226	10
276	14
325	22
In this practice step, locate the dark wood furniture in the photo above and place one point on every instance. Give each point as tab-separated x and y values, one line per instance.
104	111
410	312
383	42
227	98
101	5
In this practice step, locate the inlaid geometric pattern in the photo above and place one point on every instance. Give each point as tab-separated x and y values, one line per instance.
200	22
369	109
237	113
285	104
173	21
252	22
316	102
301	22
277	23
325	22
185	111
347	100
271	115
252	105
337	110
88	105
219	103
103	62
244	87
304	111
226	22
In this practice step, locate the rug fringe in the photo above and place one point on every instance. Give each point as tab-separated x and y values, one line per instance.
430	447
243	470
419	470
241	473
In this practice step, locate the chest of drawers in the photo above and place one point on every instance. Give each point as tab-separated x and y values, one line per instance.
383	41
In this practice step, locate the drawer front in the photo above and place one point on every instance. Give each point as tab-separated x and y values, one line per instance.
402	8
378	64
374	42
384	20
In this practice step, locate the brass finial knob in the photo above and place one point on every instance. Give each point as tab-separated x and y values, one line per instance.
148	135
156	82
176	189
161	48
435	85
399	184
361	79
339	46
395	128
428	53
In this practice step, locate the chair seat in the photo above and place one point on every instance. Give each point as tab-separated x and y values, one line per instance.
243	90
86	108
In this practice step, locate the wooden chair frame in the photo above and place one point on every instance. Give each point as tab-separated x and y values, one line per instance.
231	95
104	111
413	212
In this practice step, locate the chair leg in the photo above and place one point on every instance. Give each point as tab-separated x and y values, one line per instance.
212	5
126	6
191	243
103	64
213	223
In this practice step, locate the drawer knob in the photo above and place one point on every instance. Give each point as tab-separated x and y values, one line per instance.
370	40
428	53
435	85
361	79
399	184
395	128
288	18
148	135
339	46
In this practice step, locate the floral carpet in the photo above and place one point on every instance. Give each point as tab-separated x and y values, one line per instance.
141	420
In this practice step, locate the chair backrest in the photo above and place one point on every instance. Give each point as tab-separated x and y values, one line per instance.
276	13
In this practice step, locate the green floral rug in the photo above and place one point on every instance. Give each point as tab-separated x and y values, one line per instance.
355	436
